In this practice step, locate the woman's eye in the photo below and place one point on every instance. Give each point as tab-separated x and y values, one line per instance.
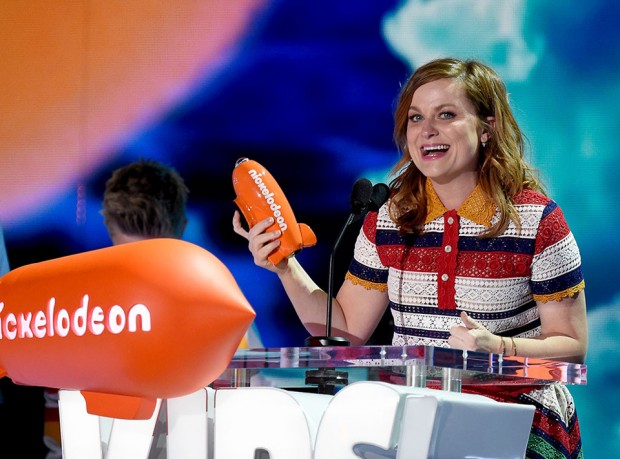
415	118
446	115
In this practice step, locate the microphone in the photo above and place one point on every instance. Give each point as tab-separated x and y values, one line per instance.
380	195
361	196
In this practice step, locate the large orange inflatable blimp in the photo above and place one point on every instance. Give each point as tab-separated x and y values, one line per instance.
124	325
259	196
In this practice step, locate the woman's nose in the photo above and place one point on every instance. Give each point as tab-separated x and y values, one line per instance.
428	128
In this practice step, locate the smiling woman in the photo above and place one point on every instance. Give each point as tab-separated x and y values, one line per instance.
468	252
443	124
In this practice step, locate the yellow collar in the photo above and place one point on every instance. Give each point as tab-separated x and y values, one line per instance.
477	207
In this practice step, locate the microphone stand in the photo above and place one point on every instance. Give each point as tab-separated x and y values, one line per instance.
363	199
328	379
329	340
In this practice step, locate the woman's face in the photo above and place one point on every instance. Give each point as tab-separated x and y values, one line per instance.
444	134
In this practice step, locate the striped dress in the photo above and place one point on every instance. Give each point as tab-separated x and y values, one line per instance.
500	282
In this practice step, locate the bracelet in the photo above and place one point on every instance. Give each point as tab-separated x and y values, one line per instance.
514	346
502	346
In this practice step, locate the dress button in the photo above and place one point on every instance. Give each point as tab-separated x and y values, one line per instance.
444	277
448	248
450	220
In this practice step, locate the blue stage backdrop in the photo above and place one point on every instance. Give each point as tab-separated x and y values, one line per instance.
306	88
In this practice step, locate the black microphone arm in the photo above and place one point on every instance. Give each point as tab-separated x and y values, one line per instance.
364	197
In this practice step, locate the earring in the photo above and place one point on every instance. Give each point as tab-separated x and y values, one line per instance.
484	144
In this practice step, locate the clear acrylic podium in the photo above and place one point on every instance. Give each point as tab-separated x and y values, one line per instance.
294	402
320	368
386	393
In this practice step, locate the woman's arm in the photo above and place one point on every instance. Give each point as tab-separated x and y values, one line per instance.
356	311
564	333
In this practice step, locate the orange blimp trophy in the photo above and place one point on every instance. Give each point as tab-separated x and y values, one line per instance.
259	196
124	325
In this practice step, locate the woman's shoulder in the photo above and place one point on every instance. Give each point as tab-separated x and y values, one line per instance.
529	196
530	202
380	219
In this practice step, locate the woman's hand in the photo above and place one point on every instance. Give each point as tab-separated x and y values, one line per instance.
260	242
472	336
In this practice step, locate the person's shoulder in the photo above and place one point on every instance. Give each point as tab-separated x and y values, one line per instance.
529	196
380	217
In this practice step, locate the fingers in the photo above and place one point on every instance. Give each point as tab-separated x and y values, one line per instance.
470	323
261	242
237	227
261	227
262	245
471	335
257	229
454	343
459	332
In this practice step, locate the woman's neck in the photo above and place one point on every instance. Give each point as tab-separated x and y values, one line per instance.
453	194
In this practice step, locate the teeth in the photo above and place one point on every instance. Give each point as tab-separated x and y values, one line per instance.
436	147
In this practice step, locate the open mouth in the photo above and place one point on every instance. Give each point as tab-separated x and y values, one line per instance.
434	150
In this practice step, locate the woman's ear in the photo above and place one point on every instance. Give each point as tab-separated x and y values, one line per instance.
486	135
